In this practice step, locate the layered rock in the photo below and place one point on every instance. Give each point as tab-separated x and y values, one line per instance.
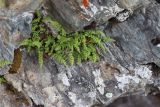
123	70
74	15
15	25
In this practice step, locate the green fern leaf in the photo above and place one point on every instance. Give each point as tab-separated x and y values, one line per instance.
79	59
2	79
71	58
94	57
59	58
96	40
37	44
101	46
108	39
4	63
26	42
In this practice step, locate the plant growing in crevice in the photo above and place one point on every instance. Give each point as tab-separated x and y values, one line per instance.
64	47
4	63
2	79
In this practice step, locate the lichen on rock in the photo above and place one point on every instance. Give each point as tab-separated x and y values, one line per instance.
122	71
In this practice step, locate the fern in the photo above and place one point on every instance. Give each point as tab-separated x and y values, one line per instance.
2	79
59	58
64	47
79	59
4	63
40	58
71	58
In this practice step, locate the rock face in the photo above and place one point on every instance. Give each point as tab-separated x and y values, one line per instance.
138	101
13	28
15	25
129	67
75	15
11	98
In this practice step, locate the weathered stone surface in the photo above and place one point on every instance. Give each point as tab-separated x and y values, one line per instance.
75	16
9	97
122	71
13	28
19	5
15	25
136	101
133	38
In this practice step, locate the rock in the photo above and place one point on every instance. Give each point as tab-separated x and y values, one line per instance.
84	83
74	16
122	71
26	5
99	81
132	5
136	100
9	97
133	39
15	25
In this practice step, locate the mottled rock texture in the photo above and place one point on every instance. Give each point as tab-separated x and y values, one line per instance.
127	68
75	16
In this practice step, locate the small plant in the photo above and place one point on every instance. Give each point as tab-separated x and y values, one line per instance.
2	79
64	47
4	63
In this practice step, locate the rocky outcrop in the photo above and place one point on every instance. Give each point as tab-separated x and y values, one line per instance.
15	25
74	15
138	101
127	68
10	97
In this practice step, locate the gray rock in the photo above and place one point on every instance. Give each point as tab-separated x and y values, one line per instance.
9	97
74	16
121	72
133	38
15	25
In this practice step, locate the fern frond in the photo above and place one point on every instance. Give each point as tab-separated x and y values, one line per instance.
2	79
4	63
108	39
79	59
94	57
37	44
47	43
59	58
85	54
40	58
101	46
35	21
71	58
64	47
53	23
26	42
34	28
